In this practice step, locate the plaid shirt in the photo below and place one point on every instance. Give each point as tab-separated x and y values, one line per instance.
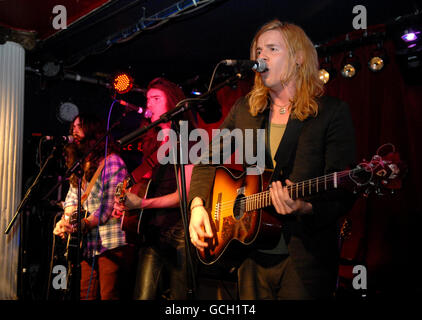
110	235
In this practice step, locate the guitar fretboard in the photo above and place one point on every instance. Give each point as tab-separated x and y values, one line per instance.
300	190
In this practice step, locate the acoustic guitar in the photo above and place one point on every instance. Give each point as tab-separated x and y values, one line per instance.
131	222
72	242
241	206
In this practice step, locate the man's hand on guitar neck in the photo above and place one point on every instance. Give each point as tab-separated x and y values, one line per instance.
199	226
282	202
131	201
62	228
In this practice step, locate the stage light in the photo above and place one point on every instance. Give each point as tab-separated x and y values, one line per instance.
196	92
51	69
410	35
67	111
350	65
376	64
327	71
122	83
348	71
379	59
324	75
408	48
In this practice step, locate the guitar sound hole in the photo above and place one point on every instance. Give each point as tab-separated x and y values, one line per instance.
239	207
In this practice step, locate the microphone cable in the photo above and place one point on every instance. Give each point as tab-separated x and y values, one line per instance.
102	198
213	74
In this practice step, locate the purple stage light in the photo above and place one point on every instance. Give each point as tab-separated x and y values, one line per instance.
410	36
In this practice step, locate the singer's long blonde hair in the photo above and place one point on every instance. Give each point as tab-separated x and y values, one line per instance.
305	74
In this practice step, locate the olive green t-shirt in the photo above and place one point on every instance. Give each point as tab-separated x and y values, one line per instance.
276	133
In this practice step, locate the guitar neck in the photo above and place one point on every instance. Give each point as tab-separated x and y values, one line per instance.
302	189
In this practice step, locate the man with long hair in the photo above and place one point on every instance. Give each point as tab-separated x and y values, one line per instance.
287	101
161	270
106	261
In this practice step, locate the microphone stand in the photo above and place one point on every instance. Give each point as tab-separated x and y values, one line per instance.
22	238
191	277
29	191
180	108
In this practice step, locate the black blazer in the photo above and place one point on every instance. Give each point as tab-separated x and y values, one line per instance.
326	144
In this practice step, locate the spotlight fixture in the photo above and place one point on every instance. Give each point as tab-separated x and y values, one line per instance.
379	59
376	64
67	111
327	71
410	35
51	69
324	75
196	92
408	48
122	83
350	65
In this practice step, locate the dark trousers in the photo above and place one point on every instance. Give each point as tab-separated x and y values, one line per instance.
270	277
160	268
110	277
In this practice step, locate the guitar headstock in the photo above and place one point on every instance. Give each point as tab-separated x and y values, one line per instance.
119	189
383	173
122	187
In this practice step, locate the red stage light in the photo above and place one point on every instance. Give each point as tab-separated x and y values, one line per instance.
122	83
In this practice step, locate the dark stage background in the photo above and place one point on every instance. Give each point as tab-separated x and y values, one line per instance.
386	108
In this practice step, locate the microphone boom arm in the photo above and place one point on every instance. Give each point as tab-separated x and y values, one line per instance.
181	107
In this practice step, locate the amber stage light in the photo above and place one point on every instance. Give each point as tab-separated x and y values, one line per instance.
122	83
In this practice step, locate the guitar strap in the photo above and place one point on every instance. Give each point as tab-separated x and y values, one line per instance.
92	182
286	150
87	192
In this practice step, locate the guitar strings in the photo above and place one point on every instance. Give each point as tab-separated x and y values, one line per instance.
265	195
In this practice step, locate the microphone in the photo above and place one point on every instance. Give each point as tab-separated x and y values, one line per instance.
258	65
65	139
147	113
